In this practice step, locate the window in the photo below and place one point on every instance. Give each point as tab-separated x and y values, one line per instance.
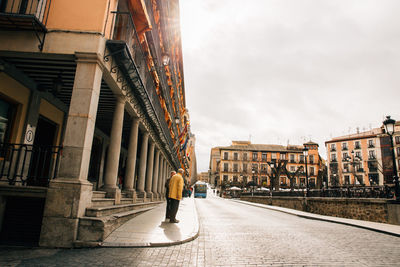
358	154
398	151
254	167
397	139
245	167
345	156
292	158
357	145
264	167
292	168
312	171
7	111
333	147
225	178
283	156
235	179
371	154
245	179
333	157
344	146
346	179
370	143
225	155
301	158
225	167
311	157
235	156
254	155
346	167
273	155
245	156
264	156
235	167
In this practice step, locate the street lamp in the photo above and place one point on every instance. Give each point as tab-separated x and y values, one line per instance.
389	128
305	151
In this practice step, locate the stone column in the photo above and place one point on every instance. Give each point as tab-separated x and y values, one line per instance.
155	173
114	151
164	176
142	165
160	174
149	174
70	193
131	162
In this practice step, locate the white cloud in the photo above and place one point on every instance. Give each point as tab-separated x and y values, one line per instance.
282	70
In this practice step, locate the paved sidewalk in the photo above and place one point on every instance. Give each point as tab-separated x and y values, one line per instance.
385	228
151	230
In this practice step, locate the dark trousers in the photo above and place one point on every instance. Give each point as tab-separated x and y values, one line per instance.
168	211
174	209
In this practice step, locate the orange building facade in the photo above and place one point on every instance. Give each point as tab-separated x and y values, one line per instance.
243	162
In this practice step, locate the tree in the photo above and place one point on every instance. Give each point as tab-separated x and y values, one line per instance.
277	168
292	176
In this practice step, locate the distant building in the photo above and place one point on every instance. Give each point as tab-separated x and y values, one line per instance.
203	176
243	162
363	158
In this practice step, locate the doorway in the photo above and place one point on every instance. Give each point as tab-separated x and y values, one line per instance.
42	152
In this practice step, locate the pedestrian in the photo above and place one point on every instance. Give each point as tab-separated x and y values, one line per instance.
167	212
176	184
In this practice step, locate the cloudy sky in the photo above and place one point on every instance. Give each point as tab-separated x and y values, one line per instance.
279	71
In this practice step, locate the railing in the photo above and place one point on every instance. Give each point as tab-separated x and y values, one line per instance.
343	192
124	30
22	164
36	8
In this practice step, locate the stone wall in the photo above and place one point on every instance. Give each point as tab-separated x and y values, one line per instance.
374	210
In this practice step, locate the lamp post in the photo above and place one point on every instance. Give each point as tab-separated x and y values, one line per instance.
389	129
305	151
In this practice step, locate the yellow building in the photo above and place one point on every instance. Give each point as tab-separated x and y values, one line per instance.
243	162
92	111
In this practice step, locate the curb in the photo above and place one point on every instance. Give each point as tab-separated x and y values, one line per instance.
311	217
192	237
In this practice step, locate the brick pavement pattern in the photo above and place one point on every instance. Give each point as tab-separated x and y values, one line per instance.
234	234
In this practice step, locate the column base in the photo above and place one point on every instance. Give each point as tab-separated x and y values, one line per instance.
150	196
66	202
141	195
114	193
131	193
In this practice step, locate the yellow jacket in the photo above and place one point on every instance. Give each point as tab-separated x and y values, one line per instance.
176	187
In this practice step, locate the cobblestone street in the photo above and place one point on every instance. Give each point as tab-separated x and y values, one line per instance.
235	234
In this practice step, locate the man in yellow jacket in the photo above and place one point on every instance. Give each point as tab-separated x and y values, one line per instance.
175	194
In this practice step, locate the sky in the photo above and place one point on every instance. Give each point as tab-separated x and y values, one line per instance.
288	71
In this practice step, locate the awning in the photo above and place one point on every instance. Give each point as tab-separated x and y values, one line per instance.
140	16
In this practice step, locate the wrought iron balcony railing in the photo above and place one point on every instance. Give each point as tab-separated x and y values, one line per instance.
28	164
25	15
126	48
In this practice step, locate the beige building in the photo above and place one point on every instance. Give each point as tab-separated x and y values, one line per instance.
92	114
364	158
243	162
203	177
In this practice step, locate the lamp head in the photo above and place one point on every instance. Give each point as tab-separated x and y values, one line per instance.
389	125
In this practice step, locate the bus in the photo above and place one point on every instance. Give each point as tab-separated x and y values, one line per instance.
200	190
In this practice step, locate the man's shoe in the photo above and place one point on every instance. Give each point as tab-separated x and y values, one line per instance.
174	221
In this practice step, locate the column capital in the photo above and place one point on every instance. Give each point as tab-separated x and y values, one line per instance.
82	57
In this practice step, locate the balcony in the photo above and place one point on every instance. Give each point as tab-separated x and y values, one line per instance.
125	48
357	147
345	148
360	170
22	164
371	145
333	149
371	158
25	15
292	161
